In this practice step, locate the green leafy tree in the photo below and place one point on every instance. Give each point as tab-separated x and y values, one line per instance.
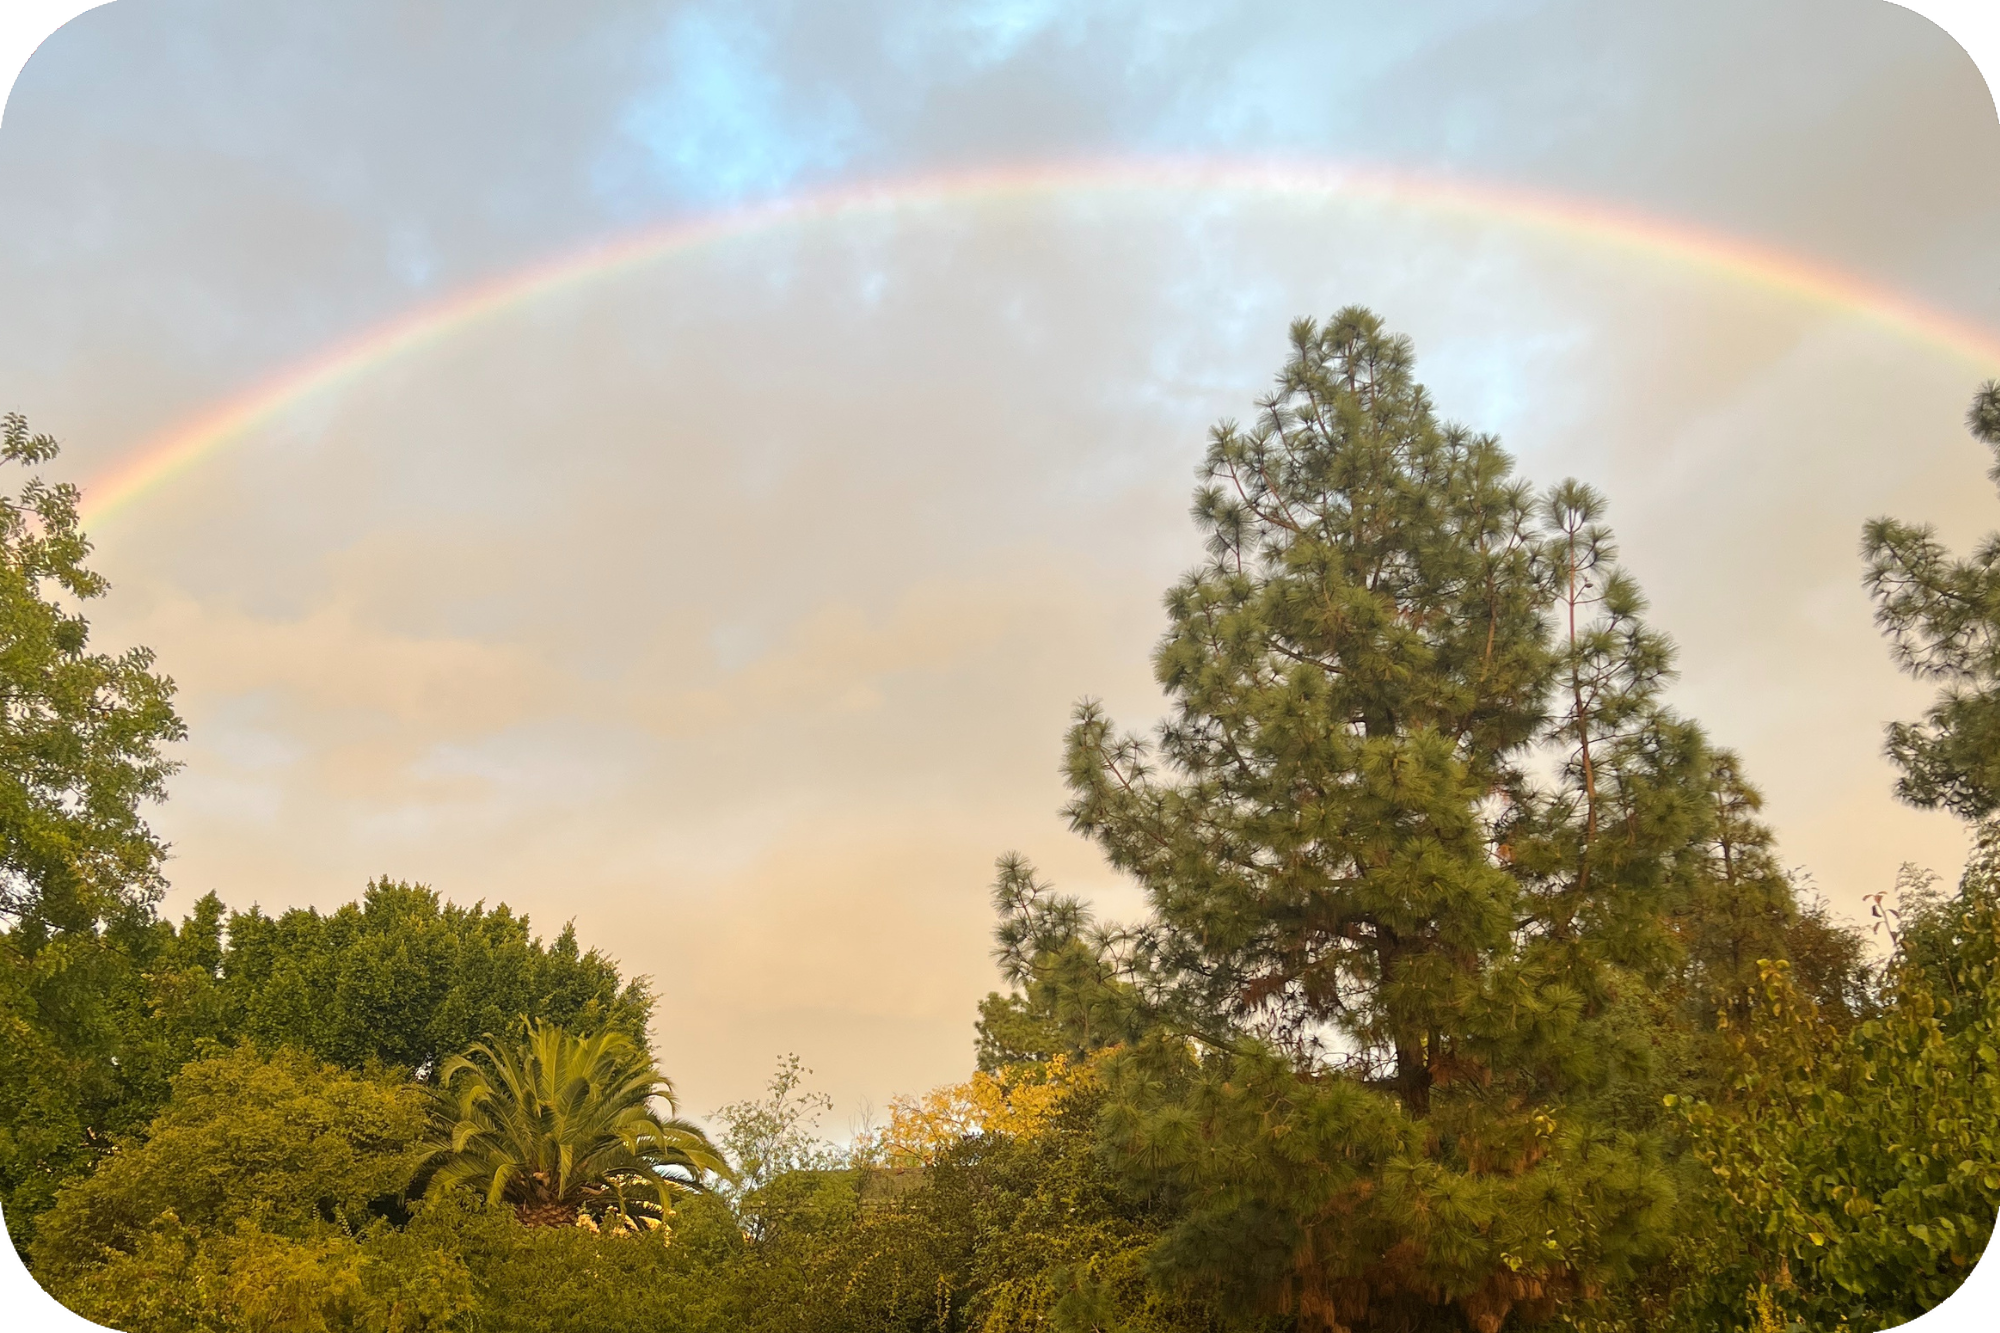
1412	838
1942	616
92	1031
1849	1173
555	1125
1854	1174
81	738
778	1134
82	742
823	1258
267	1195
238	1205
1063	1244
408	979
997	1231
401	977
784	1172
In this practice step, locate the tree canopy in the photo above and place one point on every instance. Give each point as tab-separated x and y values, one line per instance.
82	734
404	977
251	1177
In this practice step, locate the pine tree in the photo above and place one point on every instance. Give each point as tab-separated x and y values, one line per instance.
1411	838
1942	617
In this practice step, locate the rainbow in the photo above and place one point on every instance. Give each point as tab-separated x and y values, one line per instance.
154	463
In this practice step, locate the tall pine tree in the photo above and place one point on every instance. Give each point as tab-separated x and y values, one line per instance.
1412	838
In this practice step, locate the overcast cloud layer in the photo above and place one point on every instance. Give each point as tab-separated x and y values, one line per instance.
734	608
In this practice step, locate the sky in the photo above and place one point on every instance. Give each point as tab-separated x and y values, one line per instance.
731	602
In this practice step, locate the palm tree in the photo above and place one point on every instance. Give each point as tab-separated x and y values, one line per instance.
560	1126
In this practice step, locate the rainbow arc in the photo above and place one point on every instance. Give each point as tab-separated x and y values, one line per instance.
159	460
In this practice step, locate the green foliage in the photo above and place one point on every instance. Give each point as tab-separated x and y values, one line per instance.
1855	1175
406	979
266	1196
80	750
455	1266
774	1138
400	978
822	1260
1850	1166
571	1280
1946	938
1742	909
1075	1000
1000	1234
1325	1199
1942	616
558	1125
61	1094
284	1140
1738	916
1067	1247
80	742
257	1169
1009	1032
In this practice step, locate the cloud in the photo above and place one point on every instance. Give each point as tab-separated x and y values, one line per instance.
330	661
719	122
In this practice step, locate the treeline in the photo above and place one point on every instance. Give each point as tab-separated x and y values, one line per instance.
98	1027
1471	993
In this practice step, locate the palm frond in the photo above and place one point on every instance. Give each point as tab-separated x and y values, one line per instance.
556	1123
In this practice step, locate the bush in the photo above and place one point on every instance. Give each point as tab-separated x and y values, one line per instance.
1853	1176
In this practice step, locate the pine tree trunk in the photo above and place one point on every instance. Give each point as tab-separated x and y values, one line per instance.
1413	1079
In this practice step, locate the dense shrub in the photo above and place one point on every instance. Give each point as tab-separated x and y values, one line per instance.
1853	1176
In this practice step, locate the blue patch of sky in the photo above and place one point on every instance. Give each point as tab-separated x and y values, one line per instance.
1328	79
979	34
721	122
1502	385
749	101
872	286
411	256
755	101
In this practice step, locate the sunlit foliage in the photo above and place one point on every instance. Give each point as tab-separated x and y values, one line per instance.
1856	1174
